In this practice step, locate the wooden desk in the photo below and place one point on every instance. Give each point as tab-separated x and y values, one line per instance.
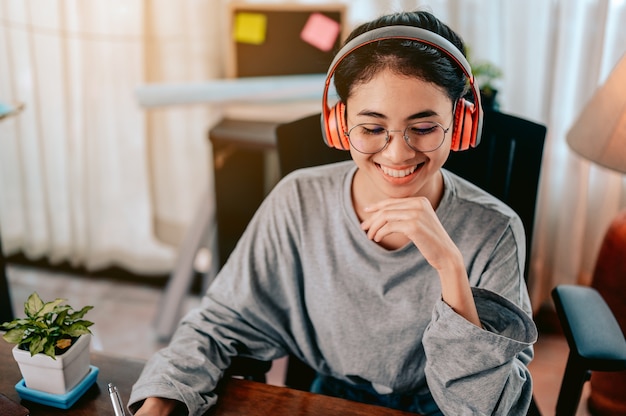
241	397
236	397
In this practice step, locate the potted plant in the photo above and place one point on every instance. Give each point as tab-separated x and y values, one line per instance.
52	348
486	73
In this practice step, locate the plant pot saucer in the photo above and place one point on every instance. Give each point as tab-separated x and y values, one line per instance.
61	401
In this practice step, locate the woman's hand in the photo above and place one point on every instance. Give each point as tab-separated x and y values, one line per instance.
416	219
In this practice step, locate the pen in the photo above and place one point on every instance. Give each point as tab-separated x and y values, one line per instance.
118	408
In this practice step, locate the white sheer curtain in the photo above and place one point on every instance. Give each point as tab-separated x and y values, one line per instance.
87	176
578	199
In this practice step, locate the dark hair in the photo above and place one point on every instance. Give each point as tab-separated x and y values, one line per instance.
406	57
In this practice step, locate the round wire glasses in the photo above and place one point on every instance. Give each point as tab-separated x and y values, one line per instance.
423	136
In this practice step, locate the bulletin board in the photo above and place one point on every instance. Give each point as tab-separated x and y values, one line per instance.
283	39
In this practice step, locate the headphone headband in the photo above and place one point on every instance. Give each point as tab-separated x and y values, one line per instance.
402	32
409	33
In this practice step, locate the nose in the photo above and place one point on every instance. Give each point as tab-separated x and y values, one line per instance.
397	148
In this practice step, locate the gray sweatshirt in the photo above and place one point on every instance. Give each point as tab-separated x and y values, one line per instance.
305	279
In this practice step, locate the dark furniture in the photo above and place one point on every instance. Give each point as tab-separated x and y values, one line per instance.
300	145
507	164
240	153
236	397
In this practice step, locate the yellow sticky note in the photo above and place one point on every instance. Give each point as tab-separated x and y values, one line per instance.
250	28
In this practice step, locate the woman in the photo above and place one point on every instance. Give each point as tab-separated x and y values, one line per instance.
399	283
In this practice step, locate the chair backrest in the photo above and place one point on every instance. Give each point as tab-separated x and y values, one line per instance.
300	145
507	163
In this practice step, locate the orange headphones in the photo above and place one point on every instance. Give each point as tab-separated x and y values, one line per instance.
468	117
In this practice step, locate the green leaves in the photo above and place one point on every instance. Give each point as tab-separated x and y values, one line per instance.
49	326
485	72
14	336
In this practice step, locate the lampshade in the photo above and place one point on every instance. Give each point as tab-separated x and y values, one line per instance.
599	133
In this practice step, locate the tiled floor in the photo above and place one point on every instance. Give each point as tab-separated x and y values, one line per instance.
124	312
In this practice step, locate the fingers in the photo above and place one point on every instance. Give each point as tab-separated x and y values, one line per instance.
379	231
387	222
397	215
415	218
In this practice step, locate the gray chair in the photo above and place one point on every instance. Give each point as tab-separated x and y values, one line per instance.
595	339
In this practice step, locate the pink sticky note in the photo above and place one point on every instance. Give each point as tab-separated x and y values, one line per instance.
320	31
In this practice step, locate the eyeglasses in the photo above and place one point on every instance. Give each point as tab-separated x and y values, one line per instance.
423	136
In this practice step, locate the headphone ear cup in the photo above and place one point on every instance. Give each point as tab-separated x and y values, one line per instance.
336	127
464	134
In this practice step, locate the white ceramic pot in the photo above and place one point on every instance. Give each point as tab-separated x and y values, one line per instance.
59	376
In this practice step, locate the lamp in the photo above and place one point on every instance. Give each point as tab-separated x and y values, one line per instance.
599	135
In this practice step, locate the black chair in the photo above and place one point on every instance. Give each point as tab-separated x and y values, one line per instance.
507	164
300	145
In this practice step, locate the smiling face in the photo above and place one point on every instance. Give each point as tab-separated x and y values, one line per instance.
394	101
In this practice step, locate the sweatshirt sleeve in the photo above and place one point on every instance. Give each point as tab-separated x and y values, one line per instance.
483	371
202	348
475	371
246	312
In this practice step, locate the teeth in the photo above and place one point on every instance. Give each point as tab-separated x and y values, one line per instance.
397	173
